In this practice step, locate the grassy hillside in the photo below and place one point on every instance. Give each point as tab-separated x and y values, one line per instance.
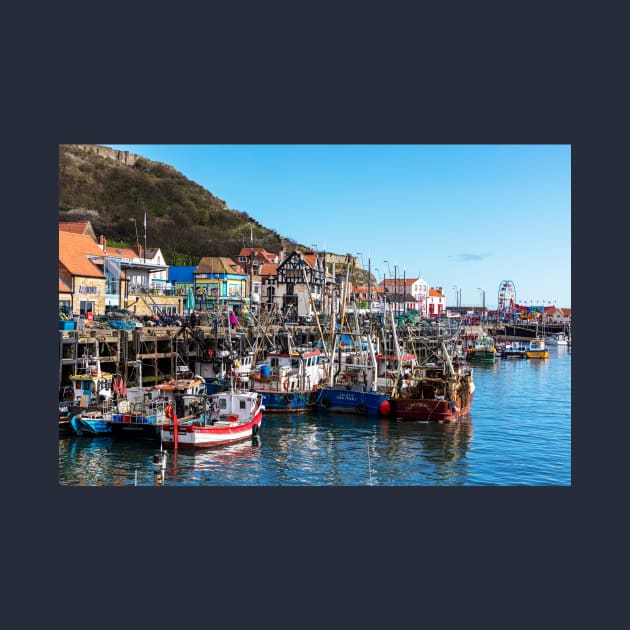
183	219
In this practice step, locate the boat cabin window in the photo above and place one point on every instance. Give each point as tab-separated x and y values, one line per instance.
273	361
222	403
242	404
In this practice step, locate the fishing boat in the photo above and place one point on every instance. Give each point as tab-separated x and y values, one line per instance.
557	339
94	422
483	350
438	391
224	358
89	387
289	377
139	420
223	365
537	349
88	403
141	411
512	350
352	385
226	417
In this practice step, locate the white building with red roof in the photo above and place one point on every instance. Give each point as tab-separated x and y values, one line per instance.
436	302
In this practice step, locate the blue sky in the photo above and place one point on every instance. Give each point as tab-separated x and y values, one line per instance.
465	216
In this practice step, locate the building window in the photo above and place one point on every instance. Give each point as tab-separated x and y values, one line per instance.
85	308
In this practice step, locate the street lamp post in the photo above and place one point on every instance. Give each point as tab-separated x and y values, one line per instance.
135	223
144	251
483	302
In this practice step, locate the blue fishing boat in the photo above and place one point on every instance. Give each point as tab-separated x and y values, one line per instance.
92	423
289	381
89	400
352	385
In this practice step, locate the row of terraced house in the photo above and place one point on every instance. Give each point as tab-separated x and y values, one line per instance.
96	279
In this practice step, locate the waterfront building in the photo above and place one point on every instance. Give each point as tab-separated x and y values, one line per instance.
436	302
368	299
300	284
136	280
418	288
132	279
84	284
253	259
558	315
219	281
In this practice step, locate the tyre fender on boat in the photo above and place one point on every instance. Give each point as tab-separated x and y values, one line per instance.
255	429
312	399
325	402
290	397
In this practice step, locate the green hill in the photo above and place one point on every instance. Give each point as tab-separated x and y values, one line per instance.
186	221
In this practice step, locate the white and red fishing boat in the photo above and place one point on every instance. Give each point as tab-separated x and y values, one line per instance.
226	417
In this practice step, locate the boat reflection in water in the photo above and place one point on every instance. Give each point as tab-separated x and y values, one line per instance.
229	462
440	440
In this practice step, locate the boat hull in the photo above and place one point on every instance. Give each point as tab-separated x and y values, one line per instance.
343	400
191	436
291	402
513	354
537	354
92	427
482	356
426	409
136	430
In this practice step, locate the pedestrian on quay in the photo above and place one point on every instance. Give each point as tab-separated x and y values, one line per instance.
233	321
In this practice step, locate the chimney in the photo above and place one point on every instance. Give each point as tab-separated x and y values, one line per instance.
102	241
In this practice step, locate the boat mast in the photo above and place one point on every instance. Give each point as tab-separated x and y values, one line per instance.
310	296
398	353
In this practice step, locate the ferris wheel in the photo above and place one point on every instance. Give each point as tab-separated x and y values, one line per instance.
507	296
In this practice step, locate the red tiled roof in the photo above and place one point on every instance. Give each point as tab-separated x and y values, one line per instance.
63	287
364	289
77	227
259	252
400	281
435	293
268	269
218	264
310	259
73	251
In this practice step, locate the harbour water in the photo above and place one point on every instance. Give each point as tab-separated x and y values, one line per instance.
518	434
